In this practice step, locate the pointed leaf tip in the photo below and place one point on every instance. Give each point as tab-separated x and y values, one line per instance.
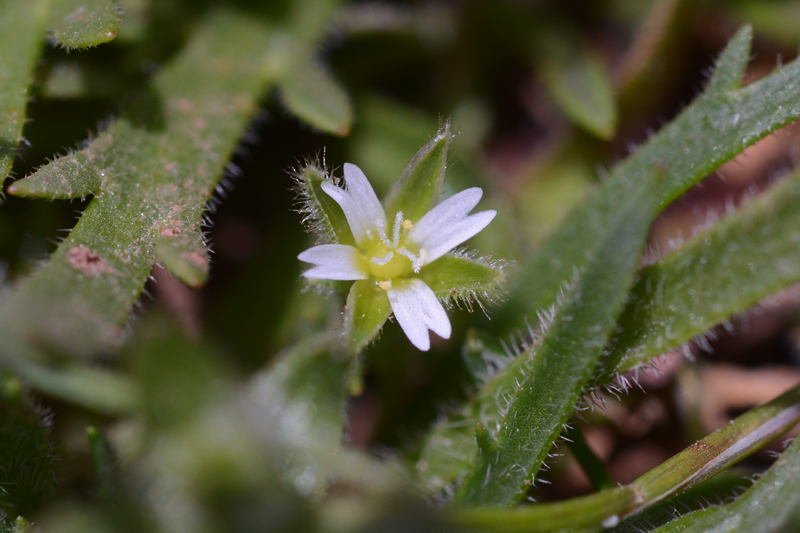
420	184
85	23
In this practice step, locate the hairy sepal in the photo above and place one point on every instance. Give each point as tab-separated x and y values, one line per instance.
462	278
321	214
365	313
420	184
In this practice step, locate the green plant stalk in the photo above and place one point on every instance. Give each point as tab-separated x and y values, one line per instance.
550	387
718	451
687	292
769	506
718	125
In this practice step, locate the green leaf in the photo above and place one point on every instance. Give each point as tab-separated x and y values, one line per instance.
155	180
464	278
721	123
771	505
311	93
697	463
687	292
21	27
366	311
562	362
582	89
420	184
78	24
321	214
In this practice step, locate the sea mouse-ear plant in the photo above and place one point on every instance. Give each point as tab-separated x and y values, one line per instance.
391	257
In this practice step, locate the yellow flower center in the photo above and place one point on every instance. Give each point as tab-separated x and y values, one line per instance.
387	259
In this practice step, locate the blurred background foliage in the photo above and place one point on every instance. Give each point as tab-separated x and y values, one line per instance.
546	95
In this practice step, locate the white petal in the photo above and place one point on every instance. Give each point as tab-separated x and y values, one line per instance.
447	225
334	261
360	204
417	310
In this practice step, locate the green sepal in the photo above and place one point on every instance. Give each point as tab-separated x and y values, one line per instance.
420	184
461	277
80	24
186	256
321	214
68	177
366	311
314	96
583	91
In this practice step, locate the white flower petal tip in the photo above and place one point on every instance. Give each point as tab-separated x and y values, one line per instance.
447	225
334	261
360	204
418	310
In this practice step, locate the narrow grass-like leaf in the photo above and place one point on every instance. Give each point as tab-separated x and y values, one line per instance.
77	24
463	278
312	94
366	311
771	505
688	291
420	184
185	255
321	214
725	447
719	124
22	25
582	90
563	362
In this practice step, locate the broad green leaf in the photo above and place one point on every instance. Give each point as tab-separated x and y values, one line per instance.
582	89
22	25
311	93
721	123
420	184
321	214
771	505
366	311
77	24
461	277
550	387
688	291
697	463
156	184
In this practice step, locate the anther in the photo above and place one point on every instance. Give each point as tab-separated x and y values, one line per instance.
385	285
407	225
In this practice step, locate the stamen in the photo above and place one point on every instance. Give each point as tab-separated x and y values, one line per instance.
398	221
407	225
416	262
385	285
380	261
382	233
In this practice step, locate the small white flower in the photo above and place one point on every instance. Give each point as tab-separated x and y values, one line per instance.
391	256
